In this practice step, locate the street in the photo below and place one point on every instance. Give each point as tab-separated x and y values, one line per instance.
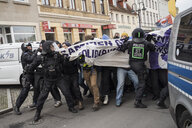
108	116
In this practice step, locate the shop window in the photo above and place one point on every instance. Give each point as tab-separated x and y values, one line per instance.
94	34
59	3
24	34
50	34
72	4
45	2
102	6
82	34
67	35
84	7
184	39
21	0
93	6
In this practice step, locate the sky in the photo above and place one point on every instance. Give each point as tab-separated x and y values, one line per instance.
183	4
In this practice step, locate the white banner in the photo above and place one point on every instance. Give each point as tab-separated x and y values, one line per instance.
99	52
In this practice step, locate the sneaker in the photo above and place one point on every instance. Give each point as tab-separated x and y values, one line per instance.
80	105
73	110
95	107
161	105
106	100
139	104
16	111
119	104
32	105
57	104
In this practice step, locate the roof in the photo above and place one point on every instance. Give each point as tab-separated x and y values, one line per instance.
119	8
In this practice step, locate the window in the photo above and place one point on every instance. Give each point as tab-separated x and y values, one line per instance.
184	39
117	18
112	19
156	5
149	3
151	18
147	18
115	3
146	2
152	4
144	21
82	34
84	8
133	18
154	18
128	21
72	4
138	1
59	3
102	6
157	17
45	2
67	35
93	6
94	34
122	18
21	0
24	33
50	34
8	35
125	5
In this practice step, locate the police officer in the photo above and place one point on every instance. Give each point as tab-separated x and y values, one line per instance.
52	66
138	49
39	81
26	58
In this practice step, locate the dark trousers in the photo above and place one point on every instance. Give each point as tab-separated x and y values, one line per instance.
159	80
140	69
71	80
27	80
47	88
38	86
108	79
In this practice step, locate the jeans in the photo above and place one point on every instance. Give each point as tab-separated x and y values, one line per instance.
121	74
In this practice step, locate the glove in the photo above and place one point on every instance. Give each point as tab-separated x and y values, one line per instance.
149	37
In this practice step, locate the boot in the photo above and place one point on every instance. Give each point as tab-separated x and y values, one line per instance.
106	100
16	111
37	116
80	105
73	110
32	105
161	104
85	91
139	104
95	107
57	104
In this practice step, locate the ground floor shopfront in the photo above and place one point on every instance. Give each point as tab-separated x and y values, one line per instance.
68	32
14	32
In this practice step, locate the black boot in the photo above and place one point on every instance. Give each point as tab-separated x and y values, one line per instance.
37	116
16	111
73	110
139	104
161	104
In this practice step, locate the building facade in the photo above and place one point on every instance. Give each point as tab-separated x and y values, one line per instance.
163	8
71	20
19	21
152	12
122	17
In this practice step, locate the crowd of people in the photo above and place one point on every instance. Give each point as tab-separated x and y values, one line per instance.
48	71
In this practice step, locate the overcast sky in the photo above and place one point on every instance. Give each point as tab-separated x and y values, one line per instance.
183	4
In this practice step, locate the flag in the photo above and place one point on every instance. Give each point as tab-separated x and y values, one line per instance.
164	22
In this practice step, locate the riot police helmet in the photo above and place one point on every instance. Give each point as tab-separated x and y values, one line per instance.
47	47
138	35
24	47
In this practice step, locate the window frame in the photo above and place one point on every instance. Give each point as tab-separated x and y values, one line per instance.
45	2
102	6
59	3
72	4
